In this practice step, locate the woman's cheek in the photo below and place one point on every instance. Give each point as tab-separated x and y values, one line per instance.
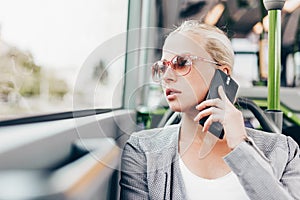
198	91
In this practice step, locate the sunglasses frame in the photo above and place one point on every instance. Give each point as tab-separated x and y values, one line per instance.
170	64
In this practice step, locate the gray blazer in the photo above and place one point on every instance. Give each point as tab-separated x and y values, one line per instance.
268	168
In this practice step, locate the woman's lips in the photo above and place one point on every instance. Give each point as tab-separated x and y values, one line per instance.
172	93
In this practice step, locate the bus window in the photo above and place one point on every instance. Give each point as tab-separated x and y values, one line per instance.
47	47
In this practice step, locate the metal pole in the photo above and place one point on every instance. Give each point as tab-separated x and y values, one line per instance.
274	59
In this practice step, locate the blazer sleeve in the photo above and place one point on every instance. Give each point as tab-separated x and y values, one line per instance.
133	172
256	174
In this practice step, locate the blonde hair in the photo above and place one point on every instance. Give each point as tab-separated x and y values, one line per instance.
216	43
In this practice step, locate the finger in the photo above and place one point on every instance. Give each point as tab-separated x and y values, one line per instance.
209	103
210	120
206	112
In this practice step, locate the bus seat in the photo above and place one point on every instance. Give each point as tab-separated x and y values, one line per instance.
268	125
88	177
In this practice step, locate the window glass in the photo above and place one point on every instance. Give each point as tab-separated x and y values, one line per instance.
56	55
246	51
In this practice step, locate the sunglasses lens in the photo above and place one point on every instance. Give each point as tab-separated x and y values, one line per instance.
158	70
182	65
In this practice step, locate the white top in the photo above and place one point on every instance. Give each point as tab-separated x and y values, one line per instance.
226	187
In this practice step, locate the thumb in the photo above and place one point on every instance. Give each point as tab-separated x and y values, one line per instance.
222	93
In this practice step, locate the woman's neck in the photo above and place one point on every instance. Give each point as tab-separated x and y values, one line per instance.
188	124
191	135
190	131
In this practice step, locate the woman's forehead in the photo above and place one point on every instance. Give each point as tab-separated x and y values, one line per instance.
183	43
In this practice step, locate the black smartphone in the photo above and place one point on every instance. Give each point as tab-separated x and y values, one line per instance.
230	87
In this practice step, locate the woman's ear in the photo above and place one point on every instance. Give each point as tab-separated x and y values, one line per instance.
225	69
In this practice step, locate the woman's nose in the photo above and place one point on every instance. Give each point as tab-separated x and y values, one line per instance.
169	75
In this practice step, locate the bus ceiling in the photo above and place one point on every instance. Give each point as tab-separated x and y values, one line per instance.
237	17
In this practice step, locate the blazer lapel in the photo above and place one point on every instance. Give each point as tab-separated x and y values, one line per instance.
164	176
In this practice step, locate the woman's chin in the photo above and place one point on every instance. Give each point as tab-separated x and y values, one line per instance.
180	108
177	108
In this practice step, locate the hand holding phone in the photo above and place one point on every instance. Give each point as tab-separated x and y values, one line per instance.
230	87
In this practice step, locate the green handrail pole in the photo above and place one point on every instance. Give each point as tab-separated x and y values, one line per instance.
274	8
274	59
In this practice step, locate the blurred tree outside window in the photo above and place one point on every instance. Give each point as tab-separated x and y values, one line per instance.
44	46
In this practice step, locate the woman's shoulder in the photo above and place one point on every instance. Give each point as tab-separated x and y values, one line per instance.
155	139
270	142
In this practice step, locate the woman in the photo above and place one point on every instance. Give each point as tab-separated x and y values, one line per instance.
165	163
